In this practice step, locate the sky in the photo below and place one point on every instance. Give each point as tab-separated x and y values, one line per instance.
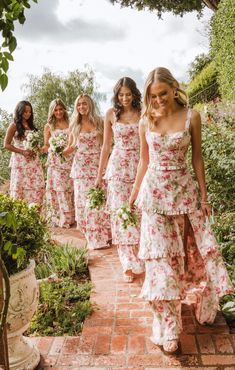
64	35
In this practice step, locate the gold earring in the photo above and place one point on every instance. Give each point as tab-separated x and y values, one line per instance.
176	95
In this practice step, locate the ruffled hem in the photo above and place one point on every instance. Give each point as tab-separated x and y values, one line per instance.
154	297
155	255
168	211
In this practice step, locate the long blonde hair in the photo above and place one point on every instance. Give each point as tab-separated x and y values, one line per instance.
161	74
51	120
93	116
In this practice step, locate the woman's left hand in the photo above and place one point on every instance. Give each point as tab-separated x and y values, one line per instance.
206	209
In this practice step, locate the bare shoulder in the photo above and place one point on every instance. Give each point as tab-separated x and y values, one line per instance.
12	128
47	128
110	115
195	119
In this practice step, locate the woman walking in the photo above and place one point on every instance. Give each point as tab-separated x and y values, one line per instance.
86	140
59	187
27	179
122	121
179	249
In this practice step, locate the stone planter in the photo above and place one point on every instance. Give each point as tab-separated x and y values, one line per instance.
23	355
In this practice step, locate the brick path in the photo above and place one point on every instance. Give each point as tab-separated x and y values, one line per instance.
116	335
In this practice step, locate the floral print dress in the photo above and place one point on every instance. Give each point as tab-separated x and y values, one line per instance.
120	176
177	244
94	224
59	187
27	178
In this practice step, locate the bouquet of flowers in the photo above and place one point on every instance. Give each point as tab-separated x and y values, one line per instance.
31	141
96	198
128	216
58	144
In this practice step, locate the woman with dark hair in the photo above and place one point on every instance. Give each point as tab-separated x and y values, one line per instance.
59	188
27	180
122	121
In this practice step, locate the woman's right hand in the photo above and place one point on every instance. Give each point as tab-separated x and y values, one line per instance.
98	182
133	197
28	153
67	151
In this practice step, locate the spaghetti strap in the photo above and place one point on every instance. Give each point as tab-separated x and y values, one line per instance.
188	119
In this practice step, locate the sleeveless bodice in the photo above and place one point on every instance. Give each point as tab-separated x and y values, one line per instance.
86	159
54	159
168	152
167	187
18	160
124	158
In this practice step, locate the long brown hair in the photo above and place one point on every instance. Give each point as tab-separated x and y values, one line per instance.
51	120
130	84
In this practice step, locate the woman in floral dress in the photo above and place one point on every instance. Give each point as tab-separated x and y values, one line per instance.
179	249
59	186
86	138
27	180
122	120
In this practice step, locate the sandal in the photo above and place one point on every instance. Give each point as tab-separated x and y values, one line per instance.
170	346
128	278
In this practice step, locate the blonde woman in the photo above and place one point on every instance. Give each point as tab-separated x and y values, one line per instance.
86	138
122	122
59	186
180	252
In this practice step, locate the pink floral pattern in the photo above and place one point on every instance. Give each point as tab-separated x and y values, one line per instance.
27	179
176	263
94	224
120	176
59	188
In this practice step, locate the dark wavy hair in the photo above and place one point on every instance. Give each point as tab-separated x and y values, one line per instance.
18	118
130	84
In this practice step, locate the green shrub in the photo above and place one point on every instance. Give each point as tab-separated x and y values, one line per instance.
62	308
223	47
5	120
22	236
204	87
64	297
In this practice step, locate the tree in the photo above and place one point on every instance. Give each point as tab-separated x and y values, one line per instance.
40	91
11	11
198	64
176	7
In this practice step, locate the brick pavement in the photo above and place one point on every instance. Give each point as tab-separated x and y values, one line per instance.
116	335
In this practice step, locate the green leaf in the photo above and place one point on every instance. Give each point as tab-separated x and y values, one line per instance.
12	44
7	246
3	81
5	64
8	55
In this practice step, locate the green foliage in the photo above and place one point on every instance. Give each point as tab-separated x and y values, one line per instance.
11	11
5	120
41	90
66	261
23	236
198	64
223	47
64	300
96	198
203	87
219	157
219	154
176	7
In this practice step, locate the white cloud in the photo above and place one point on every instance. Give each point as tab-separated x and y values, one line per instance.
64	35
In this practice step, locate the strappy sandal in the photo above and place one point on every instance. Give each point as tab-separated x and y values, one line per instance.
170	346
128	278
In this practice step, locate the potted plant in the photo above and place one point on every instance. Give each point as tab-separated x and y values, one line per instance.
23	234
